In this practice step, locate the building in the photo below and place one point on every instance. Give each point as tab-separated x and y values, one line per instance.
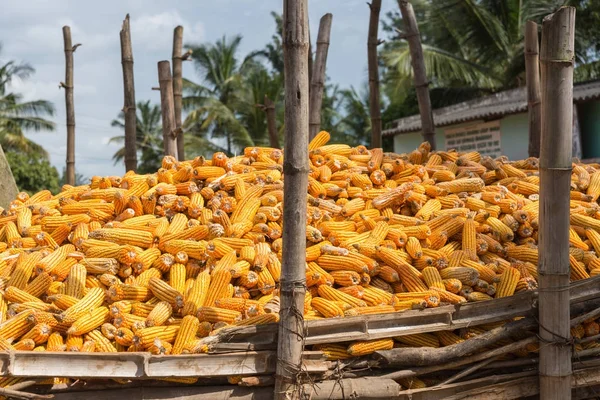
498	125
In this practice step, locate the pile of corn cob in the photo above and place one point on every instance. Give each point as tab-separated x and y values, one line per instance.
156	262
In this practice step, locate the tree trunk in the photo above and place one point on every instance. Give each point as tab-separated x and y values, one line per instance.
295	169
269	107
420	76
167	108
374	100
68	86
428	356
129	108
556	57
532	68
8	186
177	87
317	83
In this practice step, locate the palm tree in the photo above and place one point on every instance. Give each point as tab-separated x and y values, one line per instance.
471	44
258	82
148	137
213	106
355	127
17	116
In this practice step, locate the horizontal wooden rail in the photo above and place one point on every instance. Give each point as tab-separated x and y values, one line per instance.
379	326
145	365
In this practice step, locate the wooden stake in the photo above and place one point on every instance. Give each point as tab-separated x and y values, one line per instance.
374	100
317	83
532	68
177	87
295	169
68	86
269	108
556	58
166	104
420	76
129	108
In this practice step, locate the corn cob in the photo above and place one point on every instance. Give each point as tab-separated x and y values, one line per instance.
358	349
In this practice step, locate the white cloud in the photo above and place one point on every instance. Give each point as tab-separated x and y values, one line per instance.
34	89
50	35
156	31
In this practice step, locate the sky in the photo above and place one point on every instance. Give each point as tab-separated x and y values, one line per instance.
31	31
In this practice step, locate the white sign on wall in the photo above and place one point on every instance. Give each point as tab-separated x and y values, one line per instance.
484	138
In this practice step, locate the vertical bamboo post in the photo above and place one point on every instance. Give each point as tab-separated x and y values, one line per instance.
167	108
68	86
317	83
374	100
413	37
295	169
556	58
532	68
177	87
269	108
129	108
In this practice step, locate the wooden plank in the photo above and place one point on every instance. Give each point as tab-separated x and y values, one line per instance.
398	324
80	365
144	365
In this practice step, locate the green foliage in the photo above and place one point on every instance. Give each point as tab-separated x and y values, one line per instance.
148	137
33	173
16	116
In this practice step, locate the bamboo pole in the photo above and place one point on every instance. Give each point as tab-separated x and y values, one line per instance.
532	68
168	112
269	108
374	100
317	82
413	37
129	108
556	60
68	86
295	169
177	87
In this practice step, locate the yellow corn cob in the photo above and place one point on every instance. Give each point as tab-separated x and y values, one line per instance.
358	349
124	236
128	292
578	270
432	278
215	314
144	338
89	321
24	269
165	292
103	345
187	332
75	283
327	308
39	333
508	282
333	352
217	288
93	299
124	336
159	314
419	340
332	294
